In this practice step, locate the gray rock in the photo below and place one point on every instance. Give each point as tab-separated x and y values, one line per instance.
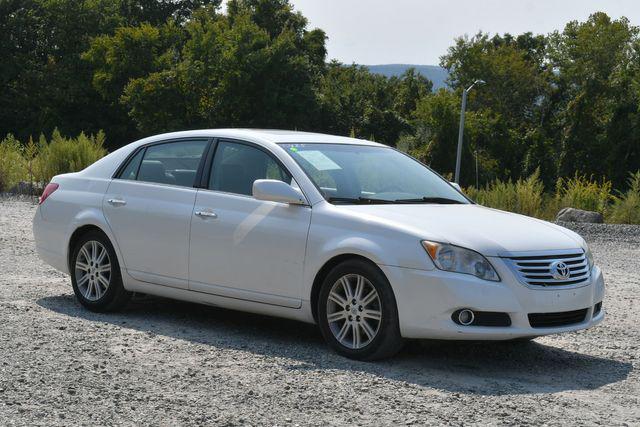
578	215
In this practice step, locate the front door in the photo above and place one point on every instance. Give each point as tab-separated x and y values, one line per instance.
242	247
149	207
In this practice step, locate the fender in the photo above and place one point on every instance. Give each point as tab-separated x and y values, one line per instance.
95	217
351	245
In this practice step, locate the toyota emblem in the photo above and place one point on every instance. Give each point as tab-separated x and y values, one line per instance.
560	270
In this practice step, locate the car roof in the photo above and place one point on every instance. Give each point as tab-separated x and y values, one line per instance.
266	135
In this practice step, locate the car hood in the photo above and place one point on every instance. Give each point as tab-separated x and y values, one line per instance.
488	231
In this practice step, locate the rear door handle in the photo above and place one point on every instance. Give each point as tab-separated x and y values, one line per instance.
206	214
117	202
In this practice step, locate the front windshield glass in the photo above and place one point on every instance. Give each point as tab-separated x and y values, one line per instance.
371	174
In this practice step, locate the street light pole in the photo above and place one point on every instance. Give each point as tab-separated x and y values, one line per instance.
461	129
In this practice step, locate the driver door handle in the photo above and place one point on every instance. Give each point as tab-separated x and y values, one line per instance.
117	202
206	214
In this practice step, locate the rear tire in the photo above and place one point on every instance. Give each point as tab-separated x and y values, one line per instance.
95	274
357	312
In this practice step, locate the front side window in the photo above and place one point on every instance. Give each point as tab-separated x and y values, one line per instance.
174	163
370	174
236	166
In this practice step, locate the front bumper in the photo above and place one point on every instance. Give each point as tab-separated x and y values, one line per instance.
427	299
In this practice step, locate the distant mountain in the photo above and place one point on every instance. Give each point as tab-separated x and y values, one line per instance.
436	74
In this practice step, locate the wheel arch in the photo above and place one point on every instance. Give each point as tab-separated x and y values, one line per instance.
324	271
86	219
76	235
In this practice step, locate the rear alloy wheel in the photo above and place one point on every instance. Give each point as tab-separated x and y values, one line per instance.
93	270
95	274
357	312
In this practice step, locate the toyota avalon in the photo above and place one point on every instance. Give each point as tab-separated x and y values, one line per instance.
361	239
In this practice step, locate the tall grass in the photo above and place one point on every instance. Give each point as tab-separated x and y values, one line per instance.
525	196
37	163
583	193
626	206
63	155
12	164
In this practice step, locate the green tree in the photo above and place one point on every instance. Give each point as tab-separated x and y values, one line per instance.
354	100
216	70
436	121
45	82
131	53
597	113
407	90
512	104
513	68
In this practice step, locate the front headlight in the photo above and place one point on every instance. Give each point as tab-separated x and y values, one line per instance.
460	260
588	255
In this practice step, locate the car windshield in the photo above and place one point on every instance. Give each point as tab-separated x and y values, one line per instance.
361	174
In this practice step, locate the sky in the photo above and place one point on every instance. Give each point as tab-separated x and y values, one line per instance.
420	31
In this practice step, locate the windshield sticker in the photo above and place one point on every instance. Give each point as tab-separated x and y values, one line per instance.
318	160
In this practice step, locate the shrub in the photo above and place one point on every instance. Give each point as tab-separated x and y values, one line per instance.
63	155
12	164
626	206
525	196
38	162
583	193
498	194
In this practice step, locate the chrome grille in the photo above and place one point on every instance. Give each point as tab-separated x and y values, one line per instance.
536	269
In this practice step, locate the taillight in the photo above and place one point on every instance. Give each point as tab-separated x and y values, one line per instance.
48	190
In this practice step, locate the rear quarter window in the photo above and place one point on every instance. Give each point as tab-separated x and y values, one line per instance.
131	169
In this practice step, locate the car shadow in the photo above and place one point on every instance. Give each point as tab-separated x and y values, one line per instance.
483	368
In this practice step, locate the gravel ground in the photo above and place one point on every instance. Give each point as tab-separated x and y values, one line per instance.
165	362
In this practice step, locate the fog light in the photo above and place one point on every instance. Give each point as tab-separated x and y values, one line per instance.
466	317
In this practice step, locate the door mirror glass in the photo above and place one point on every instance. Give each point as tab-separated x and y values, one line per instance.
277	191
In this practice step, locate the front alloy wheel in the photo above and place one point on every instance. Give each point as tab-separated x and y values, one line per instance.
357	311
354	311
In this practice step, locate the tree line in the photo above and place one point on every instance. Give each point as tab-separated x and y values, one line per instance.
565	103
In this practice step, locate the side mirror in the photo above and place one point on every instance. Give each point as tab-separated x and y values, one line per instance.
456	186
277	191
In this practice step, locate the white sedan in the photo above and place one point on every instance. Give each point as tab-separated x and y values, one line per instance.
355	236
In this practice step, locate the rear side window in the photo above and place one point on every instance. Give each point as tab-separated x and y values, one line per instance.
236	166
131	170
174	163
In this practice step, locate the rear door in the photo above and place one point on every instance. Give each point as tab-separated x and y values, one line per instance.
242	247
149	207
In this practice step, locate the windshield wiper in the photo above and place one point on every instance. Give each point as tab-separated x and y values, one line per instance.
434	200
359	200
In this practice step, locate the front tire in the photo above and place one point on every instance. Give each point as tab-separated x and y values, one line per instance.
95	274
357	312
